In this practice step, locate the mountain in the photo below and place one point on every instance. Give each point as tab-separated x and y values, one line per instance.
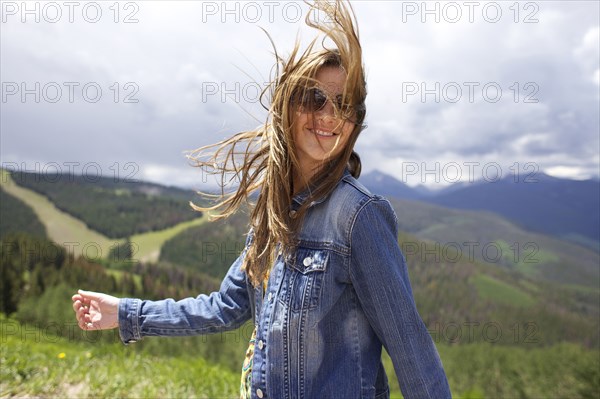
210	247
568	209
451	235
505	274
16	216
388	186
535	279
514	319
115	209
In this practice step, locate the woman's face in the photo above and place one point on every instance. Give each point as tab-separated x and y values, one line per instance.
320	135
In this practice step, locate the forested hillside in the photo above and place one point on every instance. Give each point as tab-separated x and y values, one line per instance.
564	208
449	291
503	328
39	277
15	216
210	247
116	209
560	207
492	239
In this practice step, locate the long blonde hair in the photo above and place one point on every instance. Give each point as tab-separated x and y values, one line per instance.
263	160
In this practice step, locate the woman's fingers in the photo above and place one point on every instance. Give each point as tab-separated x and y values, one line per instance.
80	313
84	325
88	296
84	320
95	311
81	308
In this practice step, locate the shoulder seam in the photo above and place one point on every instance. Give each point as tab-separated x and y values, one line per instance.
372	198
360	187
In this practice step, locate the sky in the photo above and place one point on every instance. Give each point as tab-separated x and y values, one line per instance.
457	91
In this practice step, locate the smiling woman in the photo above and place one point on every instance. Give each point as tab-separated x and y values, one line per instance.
321	273
318	133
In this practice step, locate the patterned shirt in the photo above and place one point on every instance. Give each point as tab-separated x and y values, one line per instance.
246	380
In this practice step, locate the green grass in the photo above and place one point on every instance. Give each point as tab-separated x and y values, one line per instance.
484	370
61	227
537	255
527	258
45	366
148	244
532	287
498	291
431	229
118	275
582	289
36	363
457	220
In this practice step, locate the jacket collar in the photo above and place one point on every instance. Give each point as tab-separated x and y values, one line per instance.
299	198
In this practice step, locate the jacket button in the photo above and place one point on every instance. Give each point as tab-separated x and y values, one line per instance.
307	261
259	393
261	344
292	214
270	296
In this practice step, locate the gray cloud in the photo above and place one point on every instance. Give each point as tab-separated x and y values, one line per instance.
187	65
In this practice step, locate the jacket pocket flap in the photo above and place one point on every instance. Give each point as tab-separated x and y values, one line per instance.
310	260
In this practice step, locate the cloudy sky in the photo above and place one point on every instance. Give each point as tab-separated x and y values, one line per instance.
457	90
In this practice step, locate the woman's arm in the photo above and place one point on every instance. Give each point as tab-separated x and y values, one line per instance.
223	310
380	278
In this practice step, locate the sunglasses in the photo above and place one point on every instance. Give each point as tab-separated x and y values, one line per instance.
314	99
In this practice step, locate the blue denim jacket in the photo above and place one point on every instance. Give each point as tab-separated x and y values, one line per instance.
326	310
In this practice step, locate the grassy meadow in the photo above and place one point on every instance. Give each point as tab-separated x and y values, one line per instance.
535	325
36	363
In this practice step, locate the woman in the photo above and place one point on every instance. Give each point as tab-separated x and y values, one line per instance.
321	275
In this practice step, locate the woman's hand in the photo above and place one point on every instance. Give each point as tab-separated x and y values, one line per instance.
96	311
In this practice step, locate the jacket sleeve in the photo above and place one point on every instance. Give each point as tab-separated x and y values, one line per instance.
380	278
223	310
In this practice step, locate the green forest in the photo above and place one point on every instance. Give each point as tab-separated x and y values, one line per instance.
114	208
501	333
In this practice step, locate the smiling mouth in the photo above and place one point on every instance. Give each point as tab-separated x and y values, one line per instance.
322	133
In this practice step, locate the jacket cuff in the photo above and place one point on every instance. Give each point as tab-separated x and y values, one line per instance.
129	316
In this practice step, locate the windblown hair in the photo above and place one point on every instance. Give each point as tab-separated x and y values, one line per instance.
263	160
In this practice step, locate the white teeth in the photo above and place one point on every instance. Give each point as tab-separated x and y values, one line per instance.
322	133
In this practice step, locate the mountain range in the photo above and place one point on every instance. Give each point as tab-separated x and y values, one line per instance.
465	265
512	304
566	209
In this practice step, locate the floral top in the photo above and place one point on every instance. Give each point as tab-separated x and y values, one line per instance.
246	380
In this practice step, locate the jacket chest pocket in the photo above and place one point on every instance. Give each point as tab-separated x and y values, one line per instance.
304	278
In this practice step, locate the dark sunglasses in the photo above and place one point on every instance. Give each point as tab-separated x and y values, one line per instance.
314	99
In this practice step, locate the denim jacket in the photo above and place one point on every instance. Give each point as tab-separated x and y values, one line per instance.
326	312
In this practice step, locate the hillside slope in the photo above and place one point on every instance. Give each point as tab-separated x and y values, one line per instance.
116	209
61	227
563	208
493	239
16	216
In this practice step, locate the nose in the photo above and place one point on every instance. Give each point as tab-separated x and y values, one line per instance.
327	113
